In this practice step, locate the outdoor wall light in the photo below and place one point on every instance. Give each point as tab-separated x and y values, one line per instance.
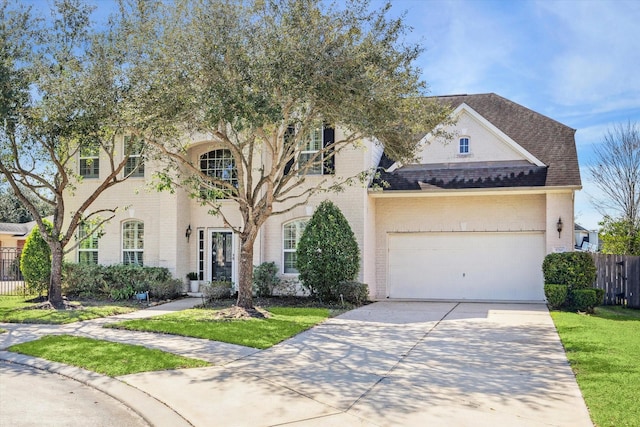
559	226
187	233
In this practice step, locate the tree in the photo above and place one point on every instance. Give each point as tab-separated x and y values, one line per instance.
65	90
327	253
12	210
616	173
616	238
258	78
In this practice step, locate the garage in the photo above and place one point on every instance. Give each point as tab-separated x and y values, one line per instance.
496	266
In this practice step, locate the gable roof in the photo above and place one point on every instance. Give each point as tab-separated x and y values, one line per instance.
546	139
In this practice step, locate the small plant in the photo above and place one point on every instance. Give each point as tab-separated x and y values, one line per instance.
353	292
192	275
265	279
166	290
120	294
217	290
556	295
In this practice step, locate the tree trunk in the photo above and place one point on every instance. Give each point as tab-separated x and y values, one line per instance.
245	279
55	281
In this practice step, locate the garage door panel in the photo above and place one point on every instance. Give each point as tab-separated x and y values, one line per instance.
482	266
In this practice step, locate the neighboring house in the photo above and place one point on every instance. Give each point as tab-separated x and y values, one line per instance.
472	219
14	235
12	238
586	240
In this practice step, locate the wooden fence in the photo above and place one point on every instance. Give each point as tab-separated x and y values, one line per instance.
619	276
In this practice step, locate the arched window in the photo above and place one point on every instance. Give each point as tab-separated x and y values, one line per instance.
220	164
291	233
133	242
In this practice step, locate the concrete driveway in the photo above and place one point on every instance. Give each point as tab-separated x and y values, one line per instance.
391	364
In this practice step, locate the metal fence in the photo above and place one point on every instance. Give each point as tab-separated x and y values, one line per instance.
619	276
11	282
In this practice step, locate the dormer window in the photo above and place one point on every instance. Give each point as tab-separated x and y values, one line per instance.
464	145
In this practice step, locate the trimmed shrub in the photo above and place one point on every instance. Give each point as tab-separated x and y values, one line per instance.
354	292
35	261
217	290
556	295
265	279
599	296
574	269
584	299
84	280
327	253
118	281
167	289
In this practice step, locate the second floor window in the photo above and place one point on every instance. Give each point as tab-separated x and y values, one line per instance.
315	148
90	161
133	148
464	146
220	164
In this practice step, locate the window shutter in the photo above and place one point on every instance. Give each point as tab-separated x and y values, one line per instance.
288	139
328	138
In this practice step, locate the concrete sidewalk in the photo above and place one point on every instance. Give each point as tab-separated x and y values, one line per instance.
385	364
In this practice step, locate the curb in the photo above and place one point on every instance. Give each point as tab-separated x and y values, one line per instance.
150	409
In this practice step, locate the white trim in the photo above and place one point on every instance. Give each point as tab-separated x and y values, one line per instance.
503	136
234	251
282	249
471	191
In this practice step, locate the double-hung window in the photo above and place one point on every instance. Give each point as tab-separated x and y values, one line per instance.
133	242
90	160
315	153
292	231
133	148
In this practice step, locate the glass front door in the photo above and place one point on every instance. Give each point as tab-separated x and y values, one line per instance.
221	256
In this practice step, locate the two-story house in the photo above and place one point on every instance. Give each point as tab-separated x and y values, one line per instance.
471	219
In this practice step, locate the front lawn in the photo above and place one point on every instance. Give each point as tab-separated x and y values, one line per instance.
19	310
104	357
604	352
284	322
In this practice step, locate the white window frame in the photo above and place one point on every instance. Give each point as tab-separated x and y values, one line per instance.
138	243
300	224
89	155
224	170
136	159
88	245
309	149
467	145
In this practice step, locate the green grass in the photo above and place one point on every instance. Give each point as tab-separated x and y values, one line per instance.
16	310
104	357
604	352
285	322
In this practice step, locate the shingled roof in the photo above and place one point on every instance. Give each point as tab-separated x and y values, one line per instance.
548	140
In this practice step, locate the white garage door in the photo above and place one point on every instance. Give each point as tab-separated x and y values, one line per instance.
466	266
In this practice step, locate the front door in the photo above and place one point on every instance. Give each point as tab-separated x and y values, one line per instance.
221	256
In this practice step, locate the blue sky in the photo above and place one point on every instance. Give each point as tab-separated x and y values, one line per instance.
576	61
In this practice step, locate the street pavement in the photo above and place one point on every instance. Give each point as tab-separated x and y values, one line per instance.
385	364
